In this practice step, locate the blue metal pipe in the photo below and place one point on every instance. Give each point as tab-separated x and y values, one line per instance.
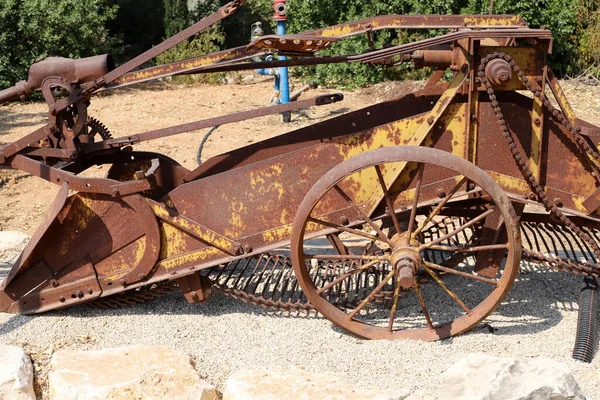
283	72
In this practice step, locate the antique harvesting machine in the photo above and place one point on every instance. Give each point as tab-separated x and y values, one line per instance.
406	219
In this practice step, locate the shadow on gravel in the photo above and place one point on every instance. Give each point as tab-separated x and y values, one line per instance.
535	302
9	119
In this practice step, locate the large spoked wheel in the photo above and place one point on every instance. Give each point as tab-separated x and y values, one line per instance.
410	273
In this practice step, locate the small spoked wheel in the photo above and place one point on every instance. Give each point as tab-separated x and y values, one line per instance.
388	244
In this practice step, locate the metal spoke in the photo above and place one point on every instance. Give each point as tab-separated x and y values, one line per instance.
343	228
440	206
413	212
373	294
447	289
422	302
394	306
388	199
348	275
368	247
337	244
460	273
362	215
457	230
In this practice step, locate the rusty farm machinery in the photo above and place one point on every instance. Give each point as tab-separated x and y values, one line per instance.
407	219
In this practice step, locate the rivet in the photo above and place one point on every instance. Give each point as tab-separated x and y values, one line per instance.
344	220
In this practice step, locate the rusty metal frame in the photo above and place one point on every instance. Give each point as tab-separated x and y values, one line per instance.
244	203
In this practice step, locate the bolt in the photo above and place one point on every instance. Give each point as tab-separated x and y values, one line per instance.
532	196
62	299
247	248
141	276
558	202
441	193
90	291
539	80
54	283
344	220
538	121
123	282
79	293
430	120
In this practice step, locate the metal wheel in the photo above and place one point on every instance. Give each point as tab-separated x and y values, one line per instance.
387	274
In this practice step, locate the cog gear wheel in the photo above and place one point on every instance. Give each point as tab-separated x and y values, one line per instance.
95	127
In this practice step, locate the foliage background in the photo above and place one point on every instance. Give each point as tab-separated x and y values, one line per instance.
33	29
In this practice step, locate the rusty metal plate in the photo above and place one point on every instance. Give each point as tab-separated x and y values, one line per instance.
292	44
75	284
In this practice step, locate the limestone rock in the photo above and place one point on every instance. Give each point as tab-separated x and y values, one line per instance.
16	374
298	385
128	373
483	377
11	246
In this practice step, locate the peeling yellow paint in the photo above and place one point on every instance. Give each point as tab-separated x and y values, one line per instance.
196	257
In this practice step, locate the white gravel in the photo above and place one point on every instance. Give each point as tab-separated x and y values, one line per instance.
223	335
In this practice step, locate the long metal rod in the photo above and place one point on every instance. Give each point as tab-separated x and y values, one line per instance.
207	123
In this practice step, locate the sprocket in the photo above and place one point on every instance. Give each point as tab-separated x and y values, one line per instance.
95	127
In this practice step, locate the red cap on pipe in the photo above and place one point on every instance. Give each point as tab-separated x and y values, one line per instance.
281	10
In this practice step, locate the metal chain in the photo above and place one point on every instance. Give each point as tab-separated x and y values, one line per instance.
533	183
561	264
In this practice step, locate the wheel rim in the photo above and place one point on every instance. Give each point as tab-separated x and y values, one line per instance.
400	285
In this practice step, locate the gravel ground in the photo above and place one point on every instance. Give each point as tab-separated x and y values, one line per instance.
537	320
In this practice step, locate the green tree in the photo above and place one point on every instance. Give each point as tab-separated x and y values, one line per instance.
31	30
177	16
138	25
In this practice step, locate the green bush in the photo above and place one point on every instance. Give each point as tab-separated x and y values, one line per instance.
588	16
31	30
207	41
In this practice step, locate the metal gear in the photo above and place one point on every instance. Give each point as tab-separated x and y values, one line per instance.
95	127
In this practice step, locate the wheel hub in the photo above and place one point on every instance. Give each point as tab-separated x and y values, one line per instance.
405	259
